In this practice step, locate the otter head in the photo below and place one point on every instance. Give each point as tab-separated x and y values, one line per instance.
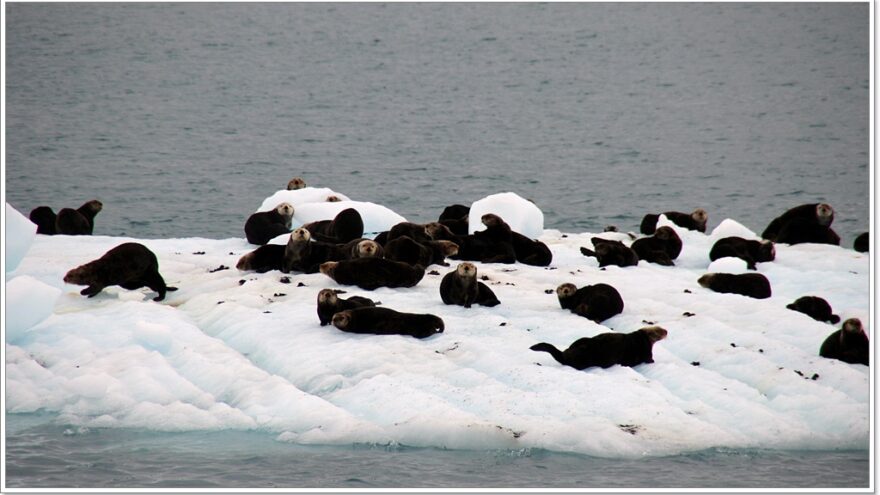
665	233
491	220
296	183
706	279
328	267
610	228
449	248
327	296
466	270
654	333
78	276
285	210
853	326
566	290
767	251
367	249
700	217
824	214
333	199
94	206
437	231
300	235
244	263
342	319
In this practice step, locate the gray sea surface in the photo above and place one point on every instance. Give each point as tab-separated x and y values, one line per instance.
182	117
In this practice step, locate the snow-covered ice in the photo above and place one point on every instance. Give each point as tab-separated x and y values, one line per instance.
241	350
20	232
522	215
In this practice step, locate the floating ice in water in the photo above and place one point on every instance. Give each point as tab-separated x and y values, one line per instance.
20	233
521	214
377	218
300	197
240	350
28	302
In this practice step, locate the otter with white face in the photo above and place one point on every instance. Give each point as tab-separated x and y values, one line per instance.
296	183
462	288
263	226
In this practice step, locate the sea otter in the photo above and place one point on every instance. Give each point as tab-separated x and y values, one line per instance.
607	349
129	265
691	221
461	287
372	273
263	226
595	302
661	248
329	303
609	252
386	321
814	307
849	344
751	252
80	221
746	284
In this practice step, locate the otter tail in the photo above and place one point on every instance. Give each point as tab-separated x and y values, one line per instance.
545	347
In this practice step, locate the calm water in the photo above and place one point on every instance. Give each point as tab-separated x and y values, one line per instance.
182	118
47	455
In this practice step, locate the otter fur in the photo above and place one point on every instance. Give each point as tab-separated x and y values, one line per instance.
372	273
346	226
305	255
814	307
595	302
661	248
530	252
607	349
329	303
692	221
44	217
747	284
461	287
805	223
861	244
455	217
129	265
263	259
849	344
386	321
752	252
80	221
263	226
609	252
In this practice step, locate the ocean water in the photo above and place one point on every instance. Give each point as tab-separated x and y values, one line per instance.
181	118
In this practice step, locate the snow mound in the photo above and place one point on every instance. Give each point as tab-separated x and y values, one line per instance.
377	218
522	215
299	197
28	302
20	233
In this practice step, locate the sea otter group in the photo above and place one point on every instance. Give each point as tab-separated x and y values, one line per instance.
400	256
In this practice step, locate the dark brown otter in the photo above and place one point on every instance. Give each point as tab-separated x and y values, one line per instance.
372	273
80	221
595	302
386	321
329	303
692	221
263	226
607	349
746	284
752	252
129	265
849	344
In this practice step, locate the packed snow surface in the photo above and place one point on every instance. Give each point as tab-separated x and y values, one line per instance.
241	350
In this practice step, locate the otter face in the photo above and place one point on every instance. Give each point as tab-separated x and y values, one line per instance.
342	319
300	234
706	279
77	276
655	333
824	214
296	183
610	228
566	290
853	325
333	199
285	210
491	220
367	249
327	296
328	267
700	216
449	248
466	270
244	263
767	251
94	206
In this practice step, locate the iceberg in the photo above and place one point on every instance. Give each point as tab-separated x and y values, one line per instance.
245	351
